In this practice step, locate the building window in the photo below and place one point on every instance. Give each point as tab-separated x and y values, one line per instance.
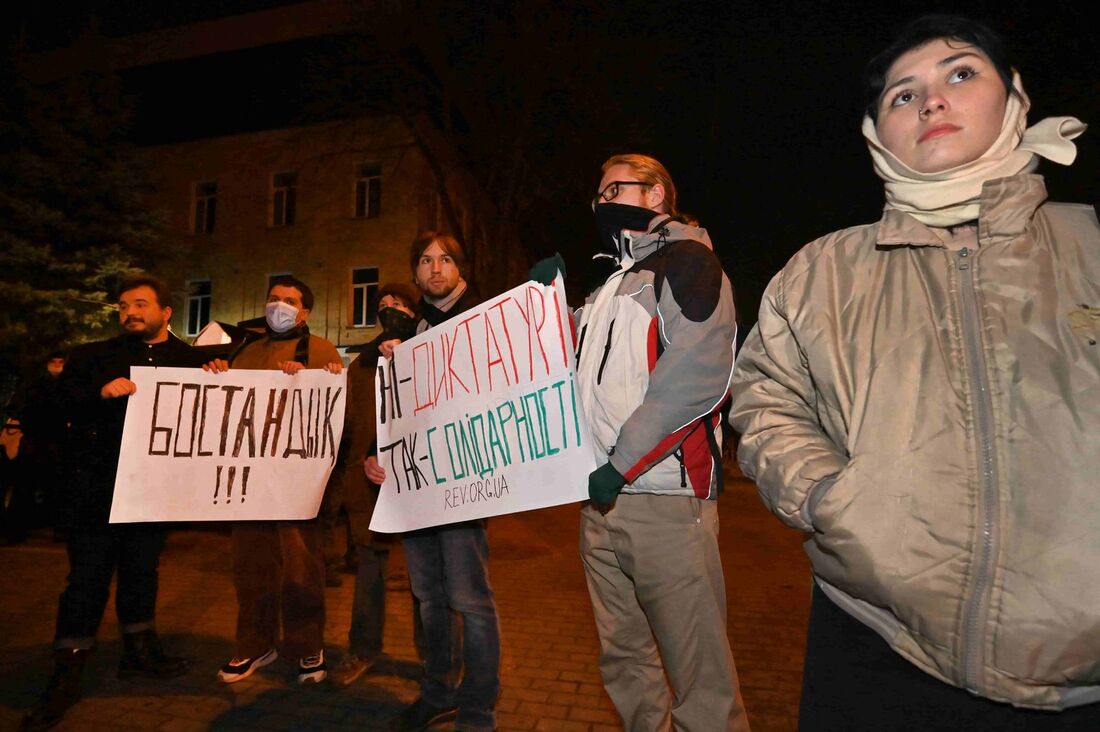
283	199
368	191
205	208
364	296
198	306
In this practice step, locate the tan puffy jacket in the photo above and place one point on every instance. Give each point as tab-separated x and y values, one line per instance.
931	419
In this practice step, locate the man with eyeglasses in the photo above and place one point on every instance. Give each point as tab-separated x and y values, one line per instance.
655	351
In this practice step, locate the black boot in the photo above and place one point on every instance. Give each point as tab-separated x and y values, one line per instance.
142	655
62	693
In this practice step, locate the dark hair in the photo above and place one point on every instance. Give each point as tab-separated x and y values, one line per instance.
446	242
289	281
56	354
401	291
156	284
928	28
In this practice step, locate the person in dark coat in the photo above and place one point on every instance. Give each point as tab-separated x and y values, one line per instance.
396	315
97	387
46	426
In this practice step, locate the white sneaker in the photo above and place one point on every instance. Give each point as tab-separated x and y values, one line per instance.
242	668
312	669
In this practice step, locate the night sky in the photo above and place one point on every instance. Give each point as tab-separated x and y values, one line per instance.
754	107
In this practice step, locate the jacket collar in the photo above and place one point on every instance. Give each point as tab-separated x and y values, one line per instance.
135	342
1007	206
434	316
662	232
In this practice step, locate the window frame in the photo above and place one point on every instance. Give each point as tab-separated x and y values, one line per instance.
364	311
195	303
284	198
204	222
367	191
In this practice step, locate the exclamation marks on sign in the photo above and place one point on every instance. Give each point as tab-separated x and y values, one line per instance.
231	474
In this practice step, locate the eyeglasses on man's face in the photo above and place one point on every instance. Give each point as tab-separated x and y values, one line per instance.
611	191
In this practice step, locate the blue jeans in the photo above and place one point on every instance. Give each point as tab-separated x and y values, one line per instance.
449	570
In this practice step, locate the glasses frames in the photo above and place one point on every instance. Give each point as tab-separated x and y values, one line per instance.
611	191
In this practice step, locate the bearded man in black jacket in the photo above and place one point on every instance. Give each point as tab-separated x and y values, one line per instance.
97	387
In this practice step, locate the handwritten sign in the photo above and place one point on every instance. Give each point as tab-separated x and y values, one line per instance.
479	416
233	446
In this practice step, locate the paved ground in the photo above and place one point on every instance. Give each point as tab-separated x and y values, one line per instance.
549	674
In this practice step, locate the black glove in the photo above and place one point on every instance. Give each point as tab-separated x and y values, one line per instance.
545	270
604	484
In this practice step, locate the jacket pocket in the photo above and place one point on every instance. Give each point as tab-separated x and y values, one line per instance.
814	497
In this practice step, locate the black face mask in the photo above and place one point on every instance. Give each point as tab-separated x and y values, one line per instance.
612	218
396	324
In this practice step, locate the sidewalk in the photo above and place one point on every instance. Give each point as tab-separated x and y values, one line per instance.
549	674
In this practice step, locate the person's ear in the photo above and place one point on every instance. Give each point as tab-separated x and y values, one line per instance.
655	196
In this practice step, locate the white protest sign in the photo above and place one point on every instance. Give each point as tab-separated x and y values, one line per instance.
479	416
239	445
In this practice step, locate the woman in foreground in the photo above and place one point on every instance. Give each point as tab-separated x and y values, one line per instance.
921	396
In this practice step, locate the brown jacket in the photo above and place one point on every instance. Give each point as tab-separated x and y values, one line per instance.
931	420
360	494
268	354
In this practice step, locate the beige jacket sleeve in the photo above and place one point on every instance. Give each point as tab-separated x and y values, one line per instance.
784	446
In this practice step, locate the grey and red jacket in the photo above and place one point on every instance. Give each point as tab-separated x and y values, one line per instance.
655	349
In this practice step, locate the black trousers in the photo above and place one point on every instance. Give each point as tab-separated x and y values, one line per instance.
95	553
853	682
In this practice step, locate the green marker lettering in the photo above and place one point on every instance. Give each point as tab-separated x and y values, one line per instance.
448	429
431	457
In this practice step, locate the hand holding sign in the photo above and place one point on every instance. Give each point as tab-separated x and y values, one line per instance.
375	473
116	388
386	347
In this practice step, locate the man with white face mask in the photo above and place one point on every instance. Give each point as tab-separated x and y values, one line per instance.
278	566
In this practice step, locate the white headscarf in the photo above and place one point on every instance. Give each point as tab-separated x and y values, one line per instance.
951	196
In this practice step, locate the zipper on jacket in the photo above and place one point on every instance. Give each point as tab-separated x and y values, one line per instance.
976	608
606	352
683	468
580	345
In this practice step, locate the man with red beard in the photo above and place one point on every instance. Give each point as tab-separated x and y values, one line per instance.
96	384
